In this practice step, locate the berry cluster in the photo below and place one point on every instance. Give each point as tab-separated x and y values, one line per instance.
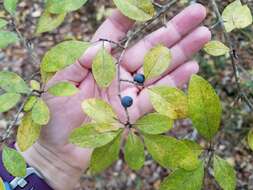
127	101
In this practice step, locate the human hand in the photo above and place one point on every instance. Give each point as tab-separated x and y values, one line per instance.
61	162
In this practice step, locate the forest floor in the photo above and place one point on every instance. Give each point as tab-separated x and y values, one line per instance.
237	118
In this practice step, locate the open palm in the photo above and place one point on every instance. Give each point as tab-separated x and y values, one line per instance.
182	35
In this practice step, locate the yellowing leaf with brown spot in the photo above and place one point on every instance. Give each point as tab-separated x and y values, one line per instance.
40	112
156	61
170	152
28	132
13	162
236	16
99	111
169	101
204	107
216	48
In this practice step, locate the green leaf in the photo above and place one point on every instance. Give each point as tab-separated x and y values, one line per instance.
195	147
48	22
140	10
46	76
28	132
8	101
64	6
63	55
170	152
99	111
7	38
216	48
156	61
183	179
40	112
108	127
10	6
11	82
13	162
105	156
35	85
63	89
2	186
224	174
87	136
236	16
30	103
134	152
154	123
3	23
204	107
103	68
169	101
250	139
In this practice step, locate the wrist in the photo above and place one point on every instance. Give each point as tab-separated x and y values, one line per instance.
57	172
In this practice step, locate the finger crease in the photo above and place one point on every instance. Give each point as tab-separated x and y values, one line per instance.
118	26
172	28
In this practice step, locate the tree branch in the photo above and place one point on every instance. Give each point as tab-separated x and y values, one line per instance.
233	55
126	43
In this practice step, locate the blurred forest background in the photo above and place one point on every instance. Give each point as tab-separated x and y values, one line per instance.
237	117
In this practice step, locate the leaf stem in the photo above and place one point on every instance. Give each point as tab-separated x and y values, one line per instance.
210	154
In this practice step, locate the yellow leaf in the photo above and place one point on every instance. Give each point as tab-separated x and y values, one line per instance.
40	112
236	16
28	132
104	68
204	107
169	101
99	111
216	48
140	10
156	61
250	139
1	184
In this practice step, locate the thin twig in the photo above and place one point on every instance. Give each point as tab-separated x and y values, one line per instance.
35	60
28	46
162	11
10	127
128	39
131	82
210	154
119	74
112	42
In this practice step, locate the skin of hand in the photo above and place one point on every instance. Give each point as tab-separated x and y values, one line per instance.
62	163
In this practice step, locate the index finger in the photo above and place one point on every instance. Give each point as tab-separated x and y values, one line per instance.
114	28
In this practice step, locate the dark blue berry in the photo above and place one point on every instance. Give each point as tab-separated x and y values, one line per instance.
126	101
139	78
